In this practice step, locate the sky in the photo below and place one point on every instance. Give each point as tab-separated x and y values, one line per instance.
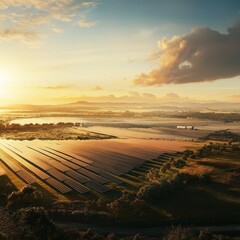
60	51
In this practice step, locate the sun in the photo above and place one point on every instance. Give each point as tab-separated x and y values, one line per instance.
4	83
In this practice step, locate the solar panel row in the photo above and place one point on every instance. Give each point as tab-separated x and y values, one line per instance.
73	156
97	186
13	166
57	174
26	164
26	177
62	160
104	174
108	169
93	176
77	176
35	170
76	186
58	185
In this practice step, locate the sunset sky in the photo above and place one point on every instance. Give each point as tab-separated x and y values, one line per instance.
60	51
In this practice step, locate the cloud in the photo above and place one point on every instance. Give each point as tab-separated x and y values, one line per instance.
86	24
97	88
89	4
235	97
56	87
130	97
148	96
27	15
172	96
57	30
201	56
22	35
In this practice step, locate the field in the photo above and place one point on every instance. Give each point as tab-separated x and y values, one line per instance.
49	132
215	202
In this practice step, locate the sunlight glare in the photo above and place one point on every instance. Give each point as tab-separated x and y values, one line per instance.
4	83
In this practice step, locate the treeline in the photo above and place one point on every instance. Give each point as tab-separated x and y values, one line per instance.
224	135
30	126
224	117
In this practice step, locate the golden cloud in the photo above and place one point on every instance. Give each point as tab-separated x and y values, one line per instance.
200	56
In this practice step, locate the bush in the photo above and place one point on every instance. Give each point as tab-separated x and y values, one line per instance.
179	233
156	191
24	197
166	166
179	163
34	223
153	174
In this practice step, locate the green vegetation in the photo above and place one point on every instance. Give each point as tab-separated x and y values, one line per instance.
59	131
224	135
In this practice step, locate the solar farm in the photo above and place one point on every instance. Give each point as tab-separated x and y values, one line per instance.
78	166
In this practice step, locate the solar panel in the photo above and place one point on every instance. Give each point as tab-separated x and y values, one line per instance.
13	166
62	160
93	169
77	176
73	155
111	177
58	185
57	174
108	169
35	170
104	174
40	163
68	159
96	186
93	176
27	165
59	166
26	177
78	162
76	186
71	165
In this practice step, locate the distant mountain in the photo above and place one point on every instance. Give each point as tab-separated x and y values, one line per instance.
124	106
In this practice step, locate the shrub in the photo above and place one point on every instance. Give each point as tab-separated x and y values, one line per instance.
178	233
25	196
156	191
166	166
179	163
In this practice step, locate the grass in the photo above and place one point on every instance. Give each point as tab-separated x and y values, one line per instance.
61	133
215	203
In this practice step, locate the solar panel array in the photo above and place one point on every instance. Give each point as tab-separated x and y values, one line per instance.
58	185
73	166
24	175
